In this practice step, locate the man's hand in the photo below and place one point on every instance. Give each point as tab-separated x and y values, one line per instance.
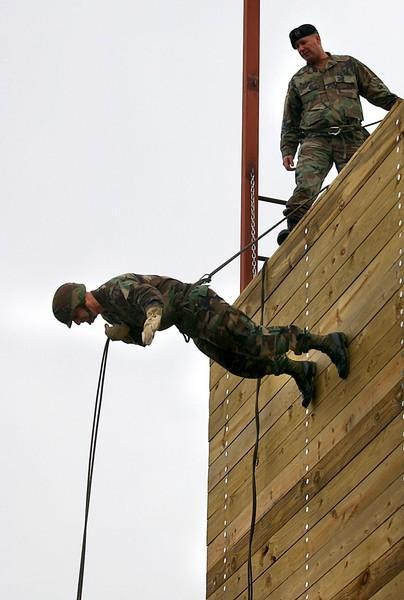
288	162
117	332
152	323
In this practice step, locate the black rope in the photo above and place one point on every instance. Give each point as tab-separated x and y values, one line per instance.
250	578
98	402
207	278
93	444
374	123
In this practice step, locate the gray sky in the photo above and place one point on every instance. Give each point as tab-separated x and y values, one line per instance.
120	151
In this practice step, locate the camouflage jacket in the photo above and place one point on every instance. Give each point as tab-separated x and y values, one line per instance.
126	298
318	99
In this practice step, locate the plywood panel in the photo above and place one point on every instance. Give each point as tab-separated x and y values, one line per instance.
325	289
330	481
327	514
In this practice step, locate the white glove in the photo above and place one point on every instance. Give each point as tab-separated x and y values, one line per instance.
117	332
152	323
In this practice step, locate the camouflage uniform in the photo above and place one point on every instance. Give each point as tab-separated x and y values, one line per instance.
137	305
219	330
318	99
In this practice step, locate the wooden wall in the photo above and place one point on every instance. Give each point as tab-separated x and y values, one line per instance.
330	485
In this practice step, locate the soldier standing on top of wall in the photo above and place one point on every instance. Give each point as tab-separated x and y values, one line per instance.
323	113
136	306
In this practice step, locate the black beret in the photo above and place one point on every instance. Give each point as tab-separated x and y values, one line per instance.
300	32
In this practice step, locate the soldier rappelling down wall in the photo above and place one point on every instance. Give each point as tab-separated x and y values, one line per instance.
136	306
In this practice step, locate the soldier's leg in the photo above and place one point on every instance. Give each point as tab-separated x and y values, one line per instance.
237	362
253	367
346	144
314	162
303	372
334	345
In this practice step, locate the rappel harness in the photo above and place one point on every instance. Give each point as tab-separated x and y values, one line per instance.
205	279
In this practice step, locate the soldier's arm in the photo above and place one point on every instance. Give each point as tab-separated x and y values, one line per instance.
290	131
145	295
129	294
149	300
372	88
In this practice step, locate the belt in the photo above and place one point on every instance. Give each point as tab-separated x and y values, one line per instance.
334	130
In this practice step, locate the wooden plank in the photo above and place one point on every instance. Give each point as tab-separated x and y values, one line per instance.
291	480
393	589
375	576
356	562
337	548
385	260
327	517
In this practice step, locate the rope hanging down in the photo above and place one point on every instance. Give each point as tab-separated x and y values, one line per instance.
93	445
98	402
250	578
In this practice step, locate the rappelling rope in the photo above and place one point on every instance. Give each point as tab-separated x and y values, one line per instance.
250	584
207	278
374	123
93	444
98	402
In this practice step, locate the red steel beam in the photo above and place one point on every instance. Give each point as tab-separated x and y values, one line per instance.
249	152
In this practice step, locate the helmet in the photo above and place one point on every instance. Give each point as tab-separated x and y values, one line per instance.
66	299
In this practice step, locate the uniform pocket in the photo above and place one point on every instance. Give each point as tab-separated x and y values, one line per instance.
346	86
314	116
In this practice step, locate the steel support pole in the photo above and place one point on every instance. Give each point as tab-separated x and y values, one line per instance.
249	152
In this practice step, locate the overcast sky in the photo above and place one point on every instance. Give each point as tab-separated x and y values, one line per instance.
120	151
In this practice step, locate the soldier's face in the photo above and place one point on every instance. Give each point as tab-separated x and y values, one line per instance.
83	315
310	48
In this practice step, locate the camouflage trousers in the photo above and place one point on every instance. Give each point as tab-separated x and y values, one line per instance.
231	338
316	156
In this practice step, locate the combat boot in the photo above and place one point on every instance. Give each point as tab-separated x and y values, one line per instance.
282	235
305	381
291	224
335	345
303	372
